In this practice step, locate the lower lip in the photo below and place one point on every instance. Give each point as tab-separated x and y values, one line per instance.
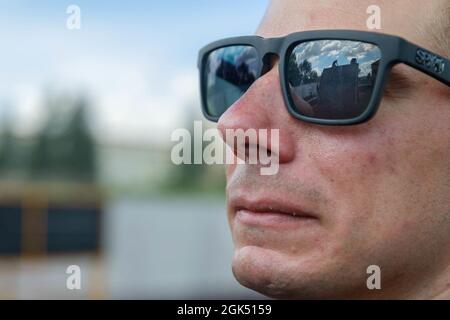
273	219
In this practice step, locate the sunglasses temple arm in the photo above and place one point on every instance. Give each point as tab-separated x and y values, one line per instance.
428	62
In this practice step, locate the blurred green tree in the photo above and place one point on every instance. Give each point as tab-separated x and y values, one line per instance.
6	146
65	147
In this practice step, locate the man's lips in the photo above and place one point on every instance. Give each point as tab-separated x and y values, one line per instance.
270	213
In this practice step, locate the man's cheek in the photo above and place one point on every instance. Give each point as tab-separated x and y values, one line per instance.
366	154
349	169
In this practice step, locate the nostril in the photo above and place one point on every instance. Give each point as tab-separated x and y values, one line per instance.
242	152
251	152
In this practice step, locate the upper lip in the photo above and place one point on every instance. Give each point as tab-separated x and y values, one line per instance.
269	205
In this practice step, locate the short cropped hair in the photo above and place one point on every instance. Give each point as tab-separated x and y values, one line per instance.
440	30
445	30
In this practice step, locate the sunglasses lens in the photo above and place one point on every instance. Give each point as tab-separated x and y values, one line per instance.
332	79
227	74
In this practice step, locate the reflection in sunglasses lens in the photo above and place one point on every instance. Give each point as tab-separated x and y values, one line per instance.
332	79
228	73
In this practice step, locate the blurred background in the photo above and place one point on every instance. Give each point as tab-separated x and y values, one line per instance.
86	177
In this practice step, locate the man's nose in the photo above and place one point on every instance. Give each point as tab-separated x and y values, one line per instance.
261	107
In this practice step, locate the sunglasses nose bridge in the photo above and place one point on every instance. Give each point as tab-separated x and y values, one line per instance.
272	45
271	53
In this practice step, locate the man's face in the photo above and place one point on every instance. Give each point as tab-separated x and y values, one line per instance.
371	194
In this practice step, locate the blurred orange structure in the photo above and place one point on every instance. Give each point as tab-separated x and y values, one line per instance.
47	218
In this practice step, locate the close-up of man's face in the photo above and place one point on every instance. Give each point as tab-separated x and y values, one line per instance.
347	197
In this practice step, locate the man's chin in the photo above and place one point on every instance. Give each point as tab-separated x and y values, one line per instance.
266	271
282	276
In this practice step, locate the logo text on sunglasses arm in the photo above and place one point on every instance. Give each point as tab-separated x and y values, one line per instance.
430	61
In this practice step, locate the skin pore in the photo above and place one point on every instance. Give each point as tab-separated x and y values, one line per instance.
379	191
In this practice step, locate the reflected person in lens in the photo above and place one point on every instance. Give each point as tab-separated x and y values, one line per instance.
345	198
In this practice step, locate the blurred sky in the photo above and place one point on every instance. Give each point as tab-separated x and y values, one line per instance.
136	60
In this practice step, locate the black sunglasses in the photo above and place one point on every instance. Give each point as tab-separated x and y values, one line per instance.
331	77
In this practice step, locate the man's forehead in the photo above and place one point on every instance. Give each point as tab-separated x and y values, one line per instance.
397	17
287	16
